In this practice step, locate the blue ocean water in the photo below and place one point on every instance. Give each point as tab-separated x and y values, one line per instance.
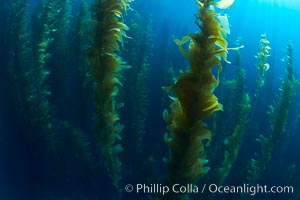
49	141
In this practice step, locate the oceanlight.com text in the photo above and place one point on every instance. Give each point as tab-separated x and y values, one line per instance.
211	188
250	189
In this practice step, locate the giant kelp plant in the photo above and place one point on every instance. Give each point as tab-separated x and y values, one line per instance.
233	142
38	90
278	113
18	52
262	65
108	33
194	99
137	52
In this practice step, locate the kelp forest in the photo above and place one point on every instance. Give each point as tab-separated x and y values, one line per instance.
115	99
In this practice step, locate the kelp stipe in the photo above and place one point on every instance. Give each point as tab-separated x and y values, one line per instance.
80	66
142	91
194	99
18	53
234	141
137	51
38	89
107	33
60	57
262	65
228	92
278	113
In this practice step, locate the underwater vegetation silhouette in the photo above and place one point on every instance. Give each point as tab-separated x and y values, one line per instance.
97	103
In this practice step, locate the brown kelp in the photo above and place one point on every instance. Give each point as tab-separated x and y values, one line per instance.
38	89
59	61
107	34
17	56
233	142
262	65
137	51
195	99
278	113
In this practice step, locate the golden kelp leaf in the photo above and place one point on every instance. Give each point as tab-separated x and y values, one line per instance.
200	4
166	116
200	129
115	80
223	4
115	91
219	40
122	26
184	52
224	22
124	5
114	29
113	6
214	106
117	129
117	13
222	44
176	107
183	40
222	55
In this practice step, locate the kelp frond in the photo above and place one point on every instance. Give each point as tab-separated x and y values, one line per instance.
195	100
106	64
